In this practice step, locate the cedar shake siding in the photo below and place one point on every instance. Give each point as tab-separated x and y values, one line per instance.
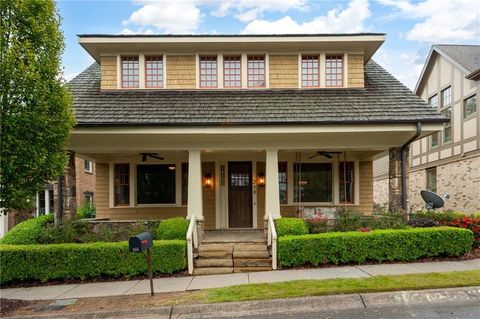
109	72
355	71
283	71
181	72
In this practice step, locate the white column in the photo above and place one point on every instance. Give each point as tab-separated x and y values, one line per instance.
47	202
272	194
37	203
195	196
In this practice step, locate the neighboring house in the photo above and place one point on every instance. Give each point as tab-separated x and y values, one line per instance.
446	161
232	128
84	188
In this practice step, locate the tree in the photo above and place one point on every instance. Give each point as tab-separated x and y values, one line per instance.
36	114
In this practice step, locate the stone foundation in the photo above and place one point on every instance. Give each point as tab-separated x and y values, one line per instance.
380	191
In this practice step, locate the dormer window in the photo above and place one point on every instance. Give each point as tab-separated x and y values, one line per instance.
310	71
154	72
256	71
130	73
232	69
208	71
334	71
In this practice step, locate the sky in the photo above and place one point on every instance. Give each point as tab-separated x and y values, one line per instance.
411	26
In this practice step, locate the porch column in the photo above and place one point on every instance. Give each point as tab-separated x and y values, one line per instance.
272	193
47	201
395	179
195	196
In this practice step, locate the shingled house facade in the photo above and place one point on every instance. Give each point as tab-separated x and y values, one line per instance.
231	128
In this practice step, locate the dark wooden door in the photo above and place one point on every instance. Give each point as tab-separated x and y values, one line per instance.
240	195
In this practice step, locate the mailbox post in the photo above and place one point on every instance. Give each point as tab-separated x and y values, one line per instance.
142	243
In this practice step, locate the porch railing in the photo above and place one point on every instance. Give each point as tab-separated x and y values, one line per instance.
192	241
272	239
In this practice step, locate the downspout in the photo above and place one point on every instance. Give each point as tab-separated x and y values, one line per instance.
403	151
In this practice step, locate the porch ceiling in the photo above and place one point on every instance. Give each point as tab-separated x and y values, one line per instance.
343	137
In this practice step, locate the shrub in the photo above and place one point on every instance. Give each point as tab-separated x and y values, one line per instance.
317	225
81	261
423	222
472	223
378	245
443	218
290	226
173	228
27	232
86	211
348	221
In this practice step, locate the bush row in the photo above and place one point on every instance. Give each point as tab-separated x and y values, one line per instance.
90	260
27	232
377	245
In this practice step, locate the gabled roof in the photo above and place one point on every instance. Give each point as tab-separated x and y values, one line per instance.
383	100
465	57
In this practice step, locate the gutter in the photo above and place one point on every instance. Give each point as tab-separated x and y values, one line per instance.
403	151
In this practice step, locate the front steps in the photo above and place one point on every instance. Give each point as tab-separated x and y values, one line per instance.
223	255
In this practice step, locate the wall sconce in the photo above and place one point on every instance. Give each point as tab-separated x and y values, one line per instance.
208	181
261	179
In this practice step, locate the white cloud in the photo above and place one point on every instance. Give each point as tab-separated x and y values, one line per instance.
169	16
248	10
441	20
127	31
349	19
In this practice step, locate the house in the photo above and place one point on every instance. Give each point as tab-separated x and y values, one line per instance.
231	131
446	161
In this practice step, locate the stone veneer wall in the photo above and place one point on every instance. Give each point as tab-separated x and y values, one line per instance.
460	179
380	191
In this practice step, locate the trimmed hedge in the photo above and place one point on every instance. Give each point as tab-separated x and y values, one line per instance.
81	261
173	228
290	226
377	245
27	232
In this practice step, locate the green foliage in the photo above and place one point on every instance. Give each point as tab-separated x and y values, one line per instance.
378	245
86	211
317	225
173	228
290	226
443	218
348	221
27	232
81	261
35	106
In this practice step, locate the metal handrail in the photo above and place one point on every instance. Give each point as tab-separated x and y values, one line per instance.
272	240
191	242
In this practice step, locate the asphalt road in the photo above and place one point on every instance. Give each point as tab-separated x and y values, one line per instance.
417	312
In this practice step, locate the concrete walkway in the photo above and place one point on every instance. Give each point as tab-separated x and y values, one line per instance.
178	284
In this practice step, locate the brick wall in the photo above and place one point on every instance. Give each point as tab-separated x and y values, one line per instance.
181	72
283	71
355	71
85	182
109	72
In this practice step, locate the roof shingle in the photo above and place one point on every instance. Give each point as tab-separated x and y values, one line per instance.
383	100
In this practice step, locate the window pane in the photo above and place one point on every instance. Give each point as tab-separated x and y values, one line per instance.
184	183
130	67
346	177
282	181
256	71
122	184
434	140
334	70
155	184
313	182
469	106
208	71
432	179
310	65
447	96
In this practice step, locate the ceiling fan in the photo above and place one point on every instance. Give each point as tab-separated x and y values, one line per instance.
145	156
324	153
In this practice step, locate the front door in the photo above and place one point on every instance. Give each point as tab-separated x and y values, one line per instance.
240	195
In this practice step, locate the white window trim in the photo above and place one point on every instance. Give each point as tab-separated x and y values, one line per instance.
90	166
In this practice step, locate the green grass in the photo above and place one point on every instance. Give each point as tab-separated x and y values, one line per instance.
302	288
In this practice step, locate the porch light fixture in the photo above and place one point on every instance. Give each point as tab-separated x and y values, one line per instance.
171	167
261	179
207	180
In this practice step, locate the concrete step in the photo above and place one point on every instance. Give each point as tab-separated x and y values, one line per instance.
250	254
251	269
215	254
206	263
247	247
212	271
260	262
215	247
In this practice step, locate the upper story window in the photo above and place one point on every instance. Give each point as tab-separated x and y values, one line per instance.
433	101
88	166
447	96
153	71
208	72
232	72
334	71
447	127
469	107
130	72
256	71
310	71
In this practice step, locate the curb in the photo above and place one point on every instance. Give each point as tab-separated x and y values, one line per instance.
360	301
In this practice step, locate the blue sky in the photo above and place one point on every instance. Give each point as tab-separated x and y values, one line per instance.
411	26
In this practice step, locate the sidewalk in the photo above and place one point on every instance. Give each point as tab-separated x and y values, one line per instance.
178	284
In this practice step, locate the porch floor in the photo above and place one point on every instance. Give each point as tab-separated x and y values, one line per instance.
234	236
